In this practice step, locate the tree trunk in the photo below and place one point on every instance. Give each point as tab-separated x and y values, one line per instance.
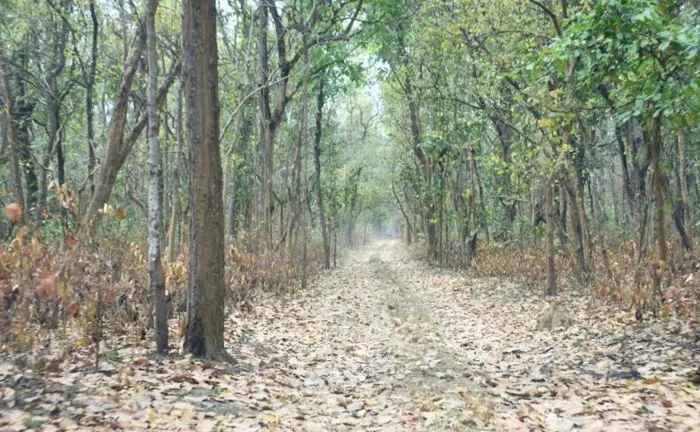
60	160
551	271
53	103
317	163
119	147
16	184
173	238
683	180
267	129
409	227
22	117
659	219
575	233
304	199
155	267
204	335
89	95
114	151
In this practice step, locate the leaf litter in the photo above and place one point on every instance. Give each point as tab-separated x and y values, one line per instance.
382	343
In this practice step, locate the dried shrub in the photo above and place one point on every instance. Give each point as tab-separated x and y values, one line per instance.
624	285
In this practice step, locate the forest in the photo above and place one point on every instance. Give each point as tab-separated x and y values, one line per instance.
350	215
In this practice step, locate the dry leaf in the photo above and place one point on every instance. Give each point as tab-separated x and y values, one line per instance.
13	212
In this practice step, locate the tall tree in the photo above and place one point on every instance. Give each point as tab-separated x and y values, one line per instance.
155	177
204	334
320	99
17	190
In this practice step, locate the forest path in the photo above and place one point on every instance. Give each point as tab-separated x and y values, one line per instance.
383	343
387	343
371	347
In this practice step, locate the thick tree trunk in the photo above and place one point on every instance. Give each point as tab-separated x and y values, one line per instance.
320	98
155	266
204	334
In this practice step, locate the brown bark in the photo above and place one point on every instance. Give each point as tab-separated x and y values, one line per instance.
118	146
89	96
267	128
320	98
173	238
204	335
409	226
683	180
430	205
551	271
53	103
116	149
659	219
575	233
597	210
16	184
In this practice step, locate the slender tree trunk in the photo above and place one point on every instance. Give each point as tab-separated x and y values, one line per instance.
119	147
576	235
60	160
22	122
173	238
551	271
242	126
89	96
303	172
155	267
204	335
236	190
683	180
267	129
597	210
409	227
320	98
583	222
659	219
53	103
16	184
114	151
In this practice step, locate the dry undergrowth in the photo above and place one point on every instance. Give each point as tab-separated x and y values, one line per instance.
40	310
681	279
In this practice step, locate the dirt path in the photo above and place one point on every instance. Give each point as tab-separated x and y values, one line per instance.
386	343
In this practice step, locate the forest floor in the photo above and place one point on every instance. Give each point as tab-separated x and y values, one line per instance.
385	343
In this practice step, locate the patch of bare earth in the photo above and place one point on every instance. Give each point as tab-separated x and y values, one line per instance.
385	343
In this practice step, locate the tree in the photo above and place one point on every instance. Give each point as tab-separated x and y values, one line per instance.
17	190
155	174
118	145
204	334
320	98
